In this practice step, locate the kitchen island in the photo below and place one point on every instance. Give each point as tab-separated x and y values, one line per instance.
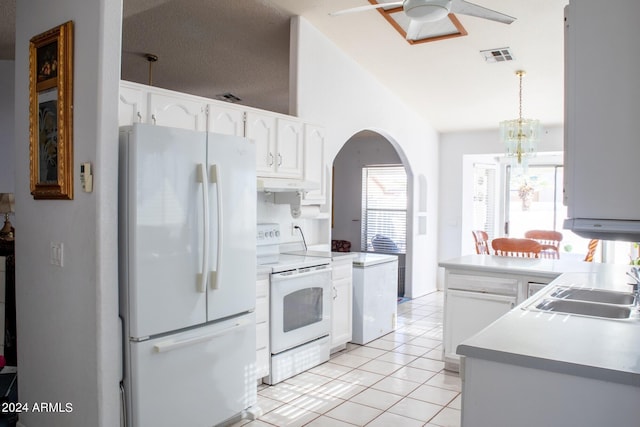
537	368
479	289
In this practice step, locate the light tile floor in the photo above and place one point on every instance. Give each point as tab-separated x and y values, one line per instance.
397	380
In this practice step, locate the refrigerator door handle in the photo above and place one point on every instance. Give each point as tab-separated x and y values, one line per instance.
166	346
215	179
202	178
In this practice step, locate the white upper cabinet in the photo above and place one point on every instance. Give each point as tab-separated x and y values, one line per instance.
183	111
602	108
132	104
289	145
314	162
279	144
225	119
262	129
285	146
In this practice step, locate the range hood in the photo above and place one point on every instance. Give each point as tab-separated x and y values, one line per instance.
277	185
605	229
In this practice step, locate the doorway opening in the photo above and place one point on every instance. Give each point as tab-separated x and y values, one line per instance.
372	199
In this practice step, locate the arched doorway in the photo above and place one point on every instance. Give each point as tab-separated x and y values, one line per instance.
374	158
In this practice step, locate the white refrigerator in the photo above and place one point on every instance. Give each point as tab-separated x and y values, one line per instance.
187	227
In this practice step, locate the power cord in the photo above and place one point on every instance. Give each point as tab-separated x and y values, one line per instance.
302	234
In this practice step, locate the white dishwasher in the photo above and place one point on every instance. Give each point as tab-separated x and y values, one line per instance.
375	296
472	304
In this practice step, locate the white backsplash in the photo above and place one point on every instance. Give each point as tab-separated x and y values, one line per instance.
270	212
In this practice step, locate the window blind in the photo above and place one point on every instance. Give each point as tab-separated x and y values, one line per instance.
384	209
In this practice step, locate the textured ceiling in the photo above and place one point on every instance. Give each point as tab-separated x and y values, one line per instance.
209	47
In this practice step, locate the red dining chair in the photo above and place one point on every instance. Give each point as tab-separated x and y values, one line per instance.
522	248
550	241
482	241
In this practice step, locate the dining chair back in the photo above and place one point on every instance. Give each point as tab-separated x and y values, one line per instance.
523	248
482	242
550	241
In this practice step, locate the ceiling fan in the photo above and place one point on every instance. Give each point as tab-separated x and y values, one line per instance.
434	10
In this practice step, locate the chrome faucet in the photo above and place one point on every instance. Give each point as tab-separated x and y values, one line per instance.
635	275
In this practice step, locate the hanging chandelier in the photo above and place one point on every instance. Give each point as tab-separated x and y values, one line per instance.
520	136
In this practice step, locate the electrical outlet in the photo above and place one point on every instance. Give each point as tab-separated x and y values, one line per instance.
294	231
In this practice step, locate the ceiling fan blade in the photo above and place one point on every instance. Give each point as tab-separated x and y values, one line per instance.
465	8
367	7
414	29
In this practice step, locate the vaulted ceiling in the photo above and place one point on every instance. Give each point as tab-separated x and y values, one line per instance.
209	48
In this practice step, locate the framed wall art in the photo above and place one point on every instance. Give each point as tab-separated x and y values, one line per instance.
51	113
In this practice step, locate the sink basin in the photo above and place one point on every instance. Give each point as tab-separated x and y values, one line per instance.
594	295
584	308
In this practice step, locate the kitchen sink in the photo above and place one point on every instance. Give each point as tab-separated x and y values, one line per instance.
594	295
583	308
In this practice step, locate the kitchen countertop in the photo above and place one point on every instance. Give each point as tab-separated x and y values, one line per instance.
324	254
367	259
532	266
602	349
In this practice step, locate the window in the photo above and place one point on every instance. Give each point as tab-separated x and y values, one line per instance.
384	209
484	198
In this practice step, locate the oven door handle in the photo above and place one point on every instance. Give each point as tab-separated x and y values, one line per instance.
286	275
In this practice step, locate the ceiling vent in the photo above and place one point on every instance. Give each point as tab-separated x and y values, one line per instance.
497	55
228	97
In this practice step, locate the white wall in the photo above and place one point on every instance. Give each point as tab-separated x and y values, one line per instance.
332	89
7	168
456	149
67	320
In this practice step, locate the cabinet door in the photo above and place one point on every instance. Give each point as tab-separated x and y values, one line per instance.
263	351
314	165
289	148
602	106
467	313
262	129
341	316
225	119
183	111
131	105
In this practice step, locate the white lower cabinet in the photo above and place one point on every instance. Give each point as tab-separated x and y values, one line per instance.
341	316
262	326
502	394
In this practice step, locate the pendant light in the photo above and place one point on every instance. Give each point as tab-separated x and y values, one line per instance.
520	136
151	58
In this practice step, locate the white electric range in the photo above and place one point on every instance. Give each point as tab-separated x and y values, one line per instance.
299	306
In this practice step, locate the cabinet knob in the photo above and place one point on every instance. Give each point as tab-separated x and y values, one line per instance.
279	159
270	159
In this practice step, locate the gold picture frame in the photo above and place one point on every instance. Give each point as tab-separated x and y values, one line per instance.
51	113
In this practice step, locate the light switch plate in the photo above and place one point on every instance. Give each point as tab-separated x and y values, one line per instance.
56	254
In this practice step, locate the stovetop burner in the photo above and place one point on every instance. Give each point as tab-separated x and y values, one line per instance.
268	252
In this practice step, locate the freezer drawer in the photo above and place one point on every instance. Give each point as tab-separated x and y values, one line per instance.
198	378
